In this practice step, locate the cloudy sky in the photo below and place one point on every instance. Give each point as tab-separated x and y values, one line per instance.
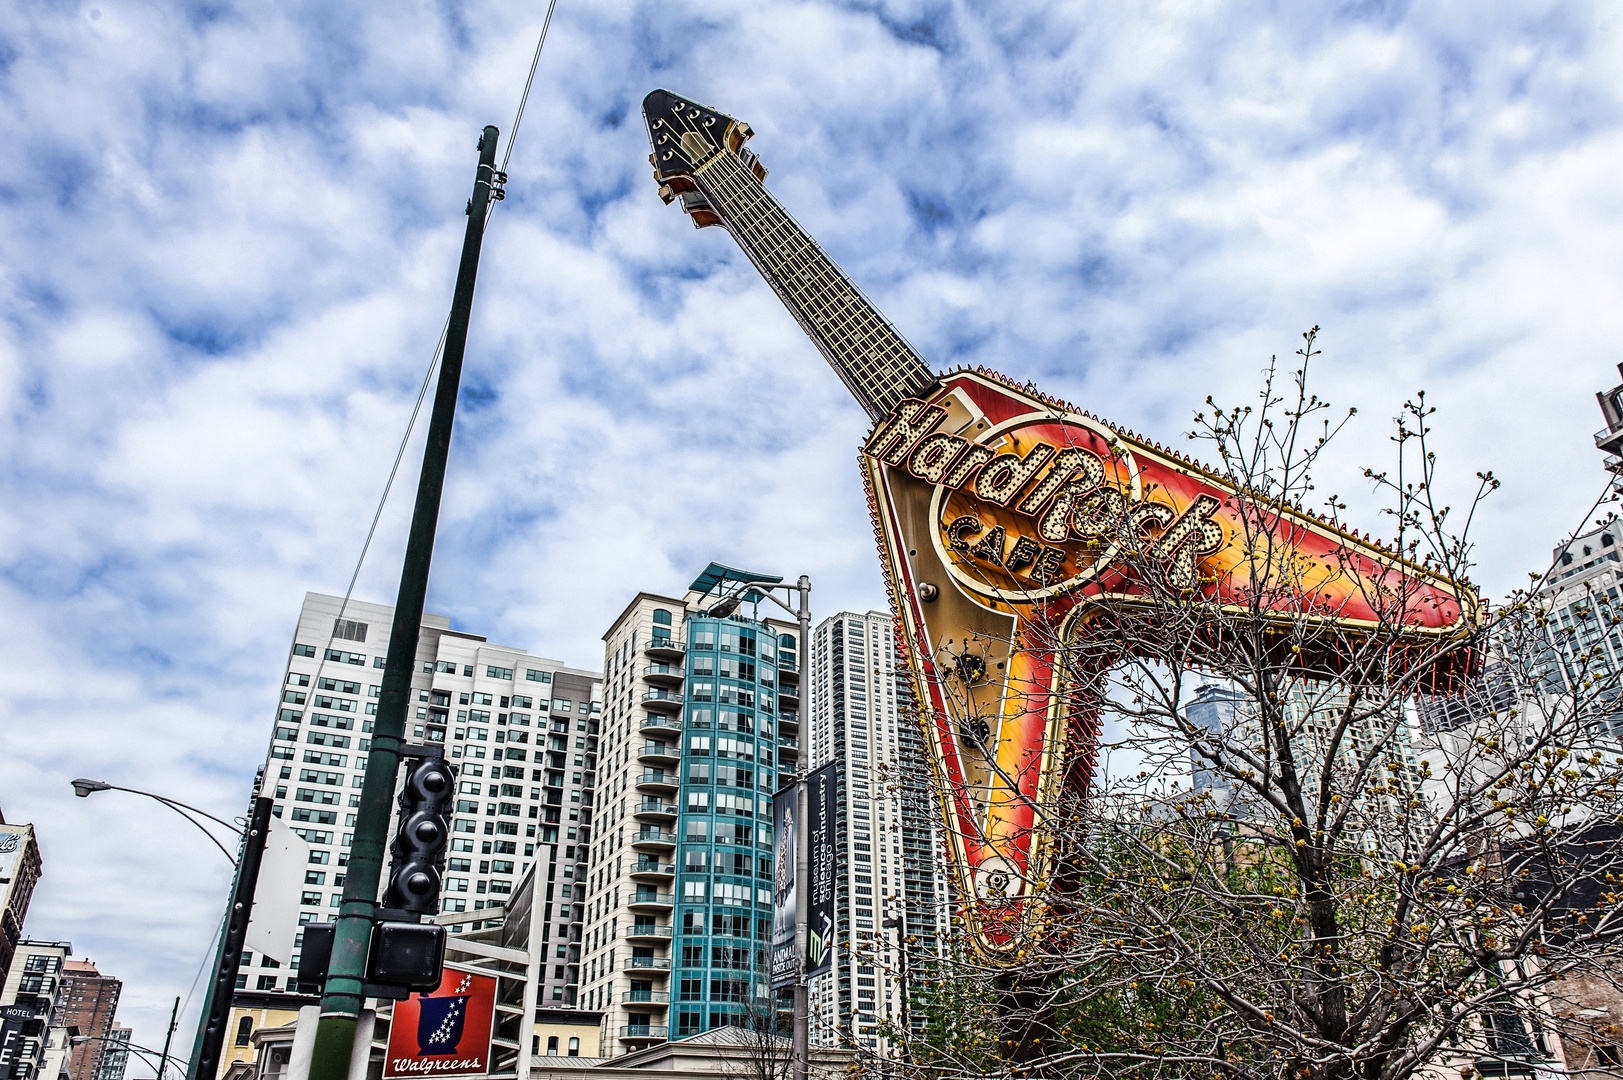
228	233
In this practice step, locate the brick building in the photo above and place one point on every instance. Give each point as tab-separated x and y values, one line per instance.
90	1000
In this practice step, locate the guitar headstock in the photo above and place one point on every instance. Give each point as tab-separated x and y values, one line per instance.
686	136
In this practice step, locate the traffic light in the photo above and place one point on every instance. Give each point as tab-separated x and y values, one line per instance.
406	953
418	851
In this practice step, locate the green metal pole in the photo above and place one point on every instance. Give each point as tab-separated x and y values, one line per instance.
163	1063
341	1004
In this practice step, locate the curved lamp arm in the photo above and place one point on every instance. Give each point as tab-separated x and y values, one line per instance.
83	788
142	1051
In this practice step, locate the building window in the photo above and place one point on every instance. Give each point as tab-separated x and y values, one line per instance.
662	617
574	1047
552	1046
245	1028
349	630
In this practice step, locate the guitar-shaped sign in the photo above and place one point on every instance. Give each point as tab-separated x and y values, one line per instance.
1010	524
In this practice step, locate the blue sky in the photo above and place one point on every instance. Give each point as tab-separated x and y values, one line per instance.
228	234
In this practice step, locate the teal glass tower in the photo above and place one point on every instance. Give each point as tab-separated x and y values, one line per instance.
701	719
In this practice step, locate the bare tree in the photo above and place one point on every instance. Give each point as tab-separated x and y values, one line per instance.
1277	873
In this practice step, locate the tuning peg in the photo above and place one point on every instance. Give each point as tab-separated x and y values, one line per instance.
666	194
652	162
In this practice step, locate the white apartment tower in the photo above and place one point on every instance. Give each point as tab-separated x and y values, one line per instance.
890	880
521	730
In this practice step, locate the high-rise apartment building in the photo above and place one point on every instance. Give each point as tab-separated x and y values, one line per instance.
32	1001
116	1055
1314	711
1581	595
701	715
90	1000
522	731
891	888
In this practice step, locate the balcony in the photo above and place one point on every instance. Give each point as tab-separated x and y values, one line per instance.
662	648
663	674
659	753
646	997
655	838
661	699
641	1033
1610	441
646	963
652	898
657	780
789	698
653	867
654	809
653	724
648	932
789	720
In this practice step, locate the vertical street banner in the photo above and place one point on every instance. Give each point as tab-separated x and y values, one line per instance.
785	889
444	1033
822	804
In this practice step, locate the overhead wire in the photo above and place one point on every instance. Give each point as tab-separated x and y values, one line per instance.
523	100
428	376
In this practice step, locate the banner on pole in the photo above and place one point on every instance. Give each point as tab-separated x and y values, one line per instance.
445	1033
785	889
822	804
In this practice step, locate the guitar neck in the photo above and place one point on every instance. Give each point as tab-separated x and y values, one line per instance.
876	363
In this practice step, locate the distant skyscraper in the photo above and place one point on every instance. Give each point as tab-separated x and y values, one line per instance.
89	1003
701	714
1581	593
1314	712
518	727
117	1053
1212	710
891	856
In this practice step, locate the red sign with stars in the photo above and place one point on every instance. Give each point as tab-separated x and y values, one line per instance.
446	1032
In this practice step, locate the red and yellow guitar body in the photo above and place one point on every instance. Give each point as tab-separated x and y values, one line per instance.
1004	519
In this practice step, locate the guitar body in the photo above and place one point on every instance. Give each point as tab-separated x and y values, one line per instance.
1028	547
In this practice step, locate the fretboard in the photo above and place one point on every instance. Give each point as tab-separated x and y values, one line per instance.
865	350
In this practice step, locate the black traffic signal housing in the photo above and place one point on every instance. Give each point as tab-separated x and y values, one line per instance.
418	852
315	954
406	953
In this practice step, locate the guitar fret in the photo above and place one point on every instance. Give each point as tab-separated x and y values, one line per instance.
872	358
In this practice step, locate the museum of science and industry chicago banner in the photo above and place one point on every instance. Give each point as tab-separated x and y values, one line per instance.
787	894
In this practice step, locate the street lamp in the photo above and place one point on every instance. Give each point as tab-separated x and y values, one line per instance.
205	1060
84	788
